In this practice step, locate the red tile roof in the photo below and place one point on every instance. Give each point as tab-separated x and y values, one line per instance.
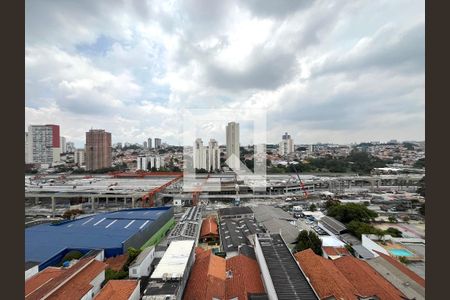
325	277
345	278
208	277
116	263
209	227
245	277
71	283
117	290
336	251
366	279
405	270
40	278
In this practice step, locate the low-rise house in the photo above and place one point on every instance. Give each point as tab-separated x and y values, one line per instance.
345	278
209	231
214	277
81	280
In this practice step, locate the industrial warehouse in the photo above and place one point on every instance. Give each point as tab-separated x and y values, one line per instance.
114	232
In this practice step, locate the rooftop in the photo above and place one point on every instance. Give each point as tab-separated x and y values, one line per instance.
214	277
174	261
238	210
235	233
140	258
333	225
117	290
345	278
102	231
71	283
209	227
287	277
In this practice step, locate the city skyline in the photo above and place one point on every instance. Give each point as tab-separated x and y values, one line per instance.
132	67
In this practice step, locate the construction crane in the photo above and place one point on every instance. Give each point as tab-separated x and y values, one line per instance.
305	192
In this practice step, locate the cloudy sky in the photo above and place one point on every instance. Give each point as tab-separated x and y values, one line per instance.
325	71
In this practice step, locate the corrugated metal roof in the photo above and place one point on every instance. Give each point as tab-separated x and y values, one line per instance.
102	231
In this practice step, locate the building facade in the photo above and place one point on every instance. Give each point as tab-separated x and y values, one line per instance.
213	162
149	143
79	157
44	144
232	136
70	147
199	155
63	144
142	163
157	143
98	149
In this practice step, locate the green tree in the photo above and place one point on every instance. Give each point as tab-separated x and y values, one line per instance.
359	228
332	202
306	240
352	212
420	163
421	187
392	219
312	207
393	232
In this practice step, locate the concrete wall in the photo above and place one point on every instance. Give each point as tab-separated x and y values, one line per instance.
137	240
88	295
144	268
136	293
32	271
97	282
371	246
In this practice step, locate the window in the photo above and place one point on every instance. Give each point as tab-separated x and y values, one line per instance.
134	271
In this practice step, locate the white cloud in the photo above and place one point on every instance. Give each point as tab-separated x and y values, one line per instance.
323	70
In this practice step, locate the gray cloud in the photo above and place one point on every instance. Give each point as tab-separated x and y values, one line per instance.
278	9
387	49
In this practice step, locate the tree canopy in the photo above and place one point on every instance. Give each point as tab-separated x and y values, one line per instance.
306	240
349	212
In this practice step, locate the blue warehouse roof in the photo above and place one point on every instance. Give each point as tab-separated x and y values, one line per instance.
102	231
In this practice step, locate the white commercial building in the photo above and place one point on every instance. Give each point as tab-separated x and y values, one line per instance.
286	145
156	162
171	274
141	267
233	151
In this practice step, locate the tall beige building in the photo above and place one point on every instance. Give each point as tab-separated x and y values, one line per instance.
98	149
233	144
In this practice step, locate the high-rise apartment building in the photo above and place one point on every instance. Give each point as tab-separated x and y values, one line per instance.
213	161
79	157
70	147
142	163
199	155
63	144
98	149
157	143
232	132
149	144
145	145
44	144
286	146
